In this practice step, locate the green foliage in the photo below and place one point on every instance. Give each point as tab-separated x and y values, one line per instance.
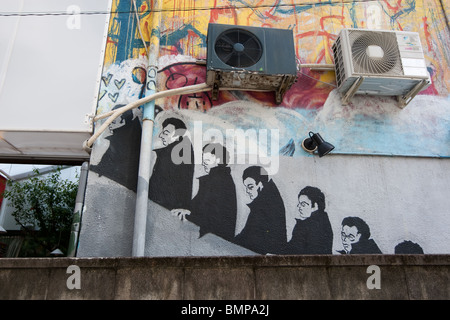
47	204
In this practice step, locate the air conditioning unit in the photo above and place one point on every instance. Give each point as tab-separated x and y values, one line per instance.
250	58
380	62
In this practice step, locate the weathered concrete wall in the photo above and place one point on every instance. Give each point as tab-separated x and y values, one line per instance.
401	277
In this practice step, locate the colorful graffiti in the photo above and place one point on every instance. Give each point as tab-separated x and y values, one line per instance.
283	212
183	27
182	30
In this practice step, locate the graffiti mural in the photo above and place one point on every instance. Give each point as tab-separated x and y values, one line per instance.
362	127
180	75
231	173
214	207
312	233
124	139
356	239
265	229
173	171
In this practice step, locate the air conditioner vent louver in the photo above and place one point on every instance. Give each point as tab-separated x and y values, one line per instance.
375	53
338	62
238	48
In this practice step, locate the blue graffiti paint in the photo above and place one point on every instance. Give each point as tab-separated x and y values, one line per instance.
283	9
352	11
380	135
288	149
126	23
173	38
410	6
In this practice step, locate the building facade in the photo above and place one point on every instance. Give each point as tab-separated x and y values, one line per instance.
229	175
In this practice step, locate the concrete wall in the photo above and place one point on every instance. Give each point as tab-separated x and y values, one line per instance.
390	166
401	277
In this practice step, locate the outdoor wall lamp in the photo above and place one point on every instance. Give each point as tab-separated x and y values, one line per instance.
57	252
316	142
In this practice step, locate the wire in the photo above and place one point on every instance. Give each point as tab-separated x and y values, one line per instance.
327	67
63	13
330	84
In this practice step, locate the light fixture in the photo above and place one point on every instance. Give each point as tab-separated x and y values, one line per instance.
57	252
316	142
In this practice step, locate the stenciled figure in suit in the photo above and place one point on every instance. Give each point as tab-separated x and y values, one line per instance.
355	235
265	229
312	233
120	162
214	207
173	171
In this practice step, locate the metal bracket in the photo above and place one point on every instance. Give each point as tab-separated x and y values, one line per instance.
89	120
215	86
278	97
351	92
286	83
404	100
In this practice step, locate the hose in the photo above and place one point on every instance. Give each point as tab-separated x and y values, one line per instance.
87	144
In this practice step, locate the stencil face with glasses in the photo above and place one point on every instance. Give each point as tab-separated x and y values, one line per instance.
349	235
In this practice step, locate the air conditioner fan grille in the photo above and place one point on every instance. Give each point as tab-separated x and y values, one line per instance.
238	48
375	53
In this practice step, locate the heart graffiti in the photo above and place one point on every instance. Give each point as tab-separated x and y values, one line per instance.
114	96
119	83
101	95
107	79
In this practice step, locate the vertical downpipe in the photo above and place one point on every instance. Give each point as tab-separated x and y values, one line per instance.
140	217
77	211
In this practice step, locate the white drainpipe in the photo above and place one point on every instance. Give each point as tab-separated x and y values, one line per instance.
140	216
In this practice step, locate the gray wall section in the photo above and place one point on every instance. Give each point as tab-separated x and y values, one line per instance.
400	198
169	236
108	218
107	228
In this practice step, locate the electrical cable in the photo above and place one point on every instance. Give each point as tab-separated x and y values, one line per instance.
112	115
324	67
116	113
330	84
62	13
317	66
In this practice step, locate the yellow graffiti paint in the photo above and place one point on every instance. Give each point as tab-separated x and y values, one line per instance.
183	26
